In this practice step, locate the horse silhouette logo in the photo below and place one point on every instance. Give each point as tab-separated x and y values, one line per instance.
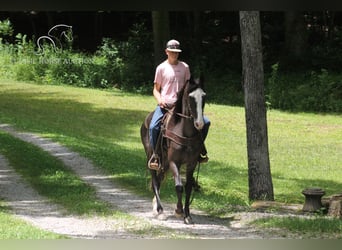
56	36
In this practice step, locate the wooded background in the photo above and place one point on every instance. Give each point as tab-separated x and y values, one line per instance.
309	37
301	50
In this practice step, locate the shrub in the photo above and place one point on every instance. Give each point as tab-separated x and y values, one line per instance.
314	91
129	64
108	55
6	30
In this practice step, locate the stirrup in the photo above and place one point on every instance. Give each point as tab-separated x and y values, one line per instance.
203	158
154	162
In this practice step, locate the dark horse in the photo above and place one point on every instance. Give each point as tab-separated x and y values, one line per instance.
181	144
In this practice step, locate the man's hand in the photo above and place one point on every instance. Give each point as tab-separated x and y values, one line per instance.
162	104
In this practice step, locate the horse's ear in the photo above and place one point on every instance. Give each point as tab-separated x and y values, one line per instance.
191	80
200	81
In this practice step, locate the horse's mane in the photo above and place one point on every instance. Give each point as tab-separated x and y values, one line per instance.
179	102
188	87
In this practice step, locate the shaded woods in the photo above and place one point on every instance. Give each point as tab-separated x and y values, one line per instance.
113	48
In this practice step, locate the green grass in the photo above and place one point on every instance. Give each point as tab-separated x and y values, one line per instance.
53	180
14	228
315	227
50	177
103	125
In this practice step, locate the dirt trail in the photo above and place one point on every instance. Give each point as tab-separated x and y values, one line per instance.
30	206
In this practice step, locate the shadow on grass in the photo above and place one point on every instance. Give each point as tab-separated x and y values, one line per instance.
48	175
108	136
294	195
45	114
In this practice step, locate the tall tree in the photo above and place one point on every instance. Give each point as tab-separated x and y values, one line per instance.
259	173
161	34
296	38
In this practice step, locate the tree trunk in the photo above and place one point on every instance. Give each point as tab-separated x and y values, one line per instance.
295	39
161	34
259	173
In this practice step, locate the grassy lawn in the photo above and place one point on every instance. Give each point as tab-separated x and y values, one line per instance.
315	227
305	149
50	177
13	228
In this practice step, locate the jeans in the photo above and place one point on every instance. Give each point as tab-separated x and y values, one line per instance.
156	123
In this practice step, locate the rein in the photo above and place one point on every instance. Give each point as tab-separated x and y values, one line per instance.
181	140
170	111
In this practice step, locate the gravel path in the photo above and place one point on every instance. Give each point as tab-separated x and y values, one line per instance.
27	204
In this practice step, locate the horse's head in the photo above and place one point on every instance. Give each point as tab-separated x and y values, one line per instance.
196	101
61	31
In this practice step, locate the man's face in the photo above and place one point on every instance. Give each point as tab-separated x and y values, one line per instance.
172	55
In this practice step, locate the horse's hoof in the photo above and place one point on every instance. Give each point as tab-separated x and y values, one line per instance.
154	204
179	213
161	216
188	220
155	208
160	210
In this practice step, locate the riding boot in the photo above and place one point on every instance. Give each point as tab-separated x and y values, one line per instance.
203	157
154	162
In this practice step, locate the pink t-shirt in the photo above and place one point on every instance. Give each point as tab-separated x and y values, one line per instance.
171	79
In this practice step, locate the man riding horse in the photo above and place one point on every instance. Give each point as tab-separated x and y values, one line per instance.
170	77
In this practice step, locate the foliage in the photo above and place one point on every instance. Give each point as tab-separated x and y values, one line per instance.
6	30
128	65
314	91
123	64
109	52
129	62
224	89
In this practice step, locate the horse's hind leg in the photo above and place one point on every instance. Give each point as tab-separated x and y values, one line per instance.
157	207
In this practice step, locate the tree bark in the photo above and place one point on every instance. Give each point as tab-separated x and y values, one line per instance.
295	33
259	173
161	34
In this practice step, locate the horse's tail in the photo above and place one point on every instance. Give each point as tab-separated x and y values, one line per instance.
144	134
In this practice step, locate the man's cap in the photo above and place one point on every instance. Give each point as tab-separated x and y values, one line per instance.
173	45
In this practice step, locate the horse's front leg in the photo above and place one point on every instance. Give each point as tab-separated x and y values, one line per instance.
188	190
157	207
179	187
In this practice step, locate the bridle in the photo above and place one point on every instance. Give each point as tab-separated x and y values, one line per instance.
171	110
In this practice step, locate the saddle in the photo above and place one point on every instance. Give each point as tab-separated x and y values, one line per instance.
167	133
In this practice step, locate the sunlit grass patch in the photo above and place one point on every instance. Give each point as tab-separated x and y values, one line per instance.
50	177
104	125
313	227
12	227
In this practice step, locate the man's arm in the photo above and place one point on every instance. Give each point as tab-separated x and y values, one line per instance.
156	94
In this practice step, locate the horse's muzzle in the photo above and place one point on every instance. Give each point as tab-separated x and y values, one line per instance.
199	124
